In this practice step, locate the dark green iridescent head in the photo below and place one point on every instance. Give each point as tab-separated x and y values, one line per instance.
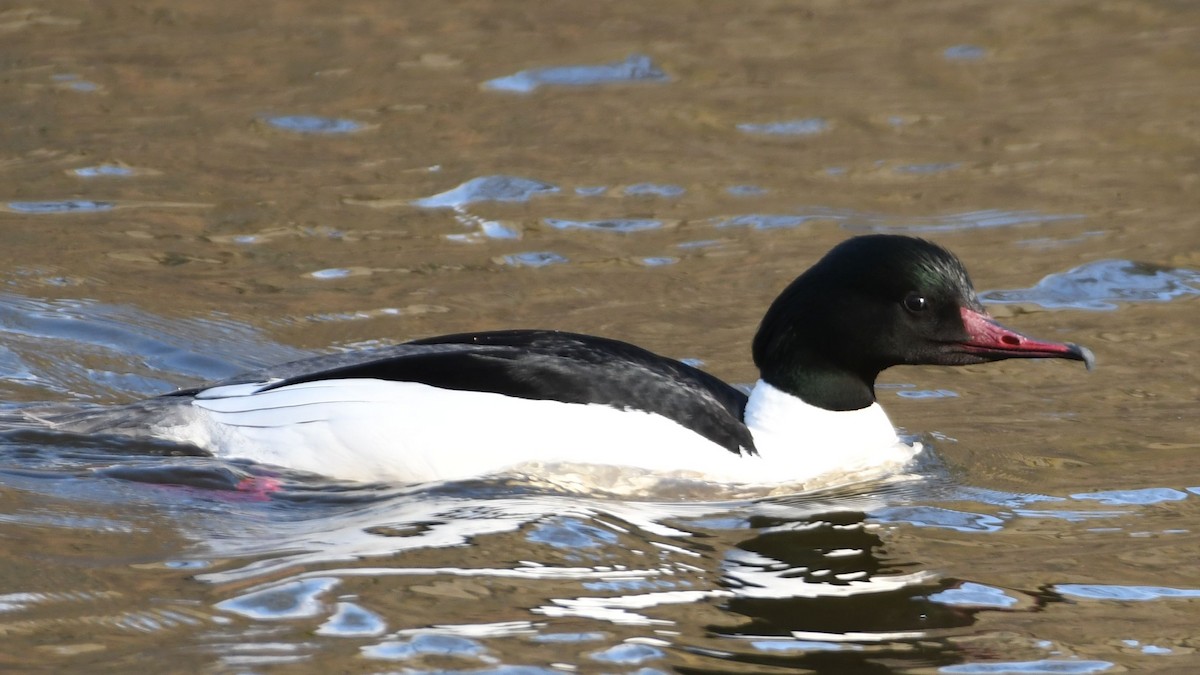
874	302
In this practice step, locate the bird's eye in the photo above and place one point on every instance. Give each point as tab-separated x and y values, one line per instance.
915	302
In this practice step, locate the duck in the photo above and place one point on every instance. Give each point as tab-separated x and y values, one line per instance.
529	401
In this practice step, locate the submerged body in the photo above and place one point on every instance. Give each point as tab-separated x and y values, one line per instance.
533	402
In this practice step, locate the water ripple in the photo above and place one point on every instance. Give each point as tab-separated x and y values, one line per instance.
73	82
971	220
1100	285
760	221
928	169
802	127
351	620
103	170
746	190
636	68
533	259
487	189
423	645
61	206
971	594
570	533
1139	497
127	351
1042	667
311	124
932	516
655	190
964	53
1124	593
289	600
609	225
927	393
628	654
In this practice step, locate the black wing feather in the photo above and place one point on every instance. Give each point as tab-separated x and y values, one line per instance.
543	365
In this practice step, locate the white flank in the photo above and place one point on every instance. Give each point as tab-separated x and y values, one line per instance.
362	429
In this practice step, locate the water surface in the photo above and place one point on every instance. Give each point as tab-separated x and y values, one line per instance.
197	189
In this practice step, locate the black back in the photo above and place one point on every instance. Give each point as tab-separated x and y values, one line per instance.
541	365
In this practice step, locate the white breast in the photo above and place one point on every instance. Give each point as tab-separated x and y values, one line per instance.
360	429
803	440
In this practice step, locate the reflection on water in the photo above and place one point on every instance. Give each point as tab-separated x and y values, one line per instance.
344	562
784	581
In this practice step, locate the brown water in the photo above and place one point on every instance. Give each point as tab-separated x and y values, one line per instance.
168	218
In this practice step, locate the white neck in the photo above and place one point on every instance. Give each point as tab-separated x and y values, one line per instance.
784	424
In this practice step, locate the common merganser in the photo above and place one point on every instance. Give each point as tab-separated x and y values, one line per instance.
473	404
